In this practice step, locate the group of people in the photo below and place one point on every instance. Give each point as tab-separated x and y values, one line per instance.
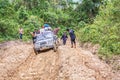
72	37
64	37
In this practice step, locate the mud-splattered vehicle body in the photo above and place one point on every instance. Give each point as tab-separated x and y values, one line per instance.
45	40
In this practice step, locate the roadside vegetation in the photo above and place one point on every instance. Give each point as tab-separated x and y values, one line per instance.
105	29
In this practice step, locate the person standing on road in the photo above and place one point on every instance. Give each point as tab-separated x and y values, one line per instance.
33	36
21	32
72	37
38	31
64	38
56	30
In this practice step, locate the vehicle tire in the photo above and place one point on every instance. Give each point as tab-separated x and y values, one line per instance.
58	43
55	48
36	52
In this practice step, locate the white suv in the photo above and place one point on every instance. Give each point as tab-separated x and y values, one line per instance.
45	40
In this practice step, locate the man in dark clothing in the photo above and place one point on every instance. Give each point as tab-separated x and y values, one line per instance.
33	36
64	38
72	37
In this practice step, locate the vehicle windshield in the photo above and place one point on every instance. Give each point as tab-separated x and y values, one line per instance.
40	37
48	34
44	35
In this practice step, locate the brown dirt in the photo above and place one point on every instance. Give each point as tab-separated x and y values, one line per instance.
19	62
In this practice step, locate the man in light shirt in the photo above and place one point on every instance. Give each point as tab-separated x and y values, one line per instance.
42	30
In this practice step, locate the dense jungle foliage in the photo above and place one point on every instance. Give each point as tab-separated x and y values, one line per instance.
105	30
95	21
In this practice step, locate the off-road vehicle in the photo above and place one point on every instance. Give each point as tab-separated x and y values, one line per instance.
45	40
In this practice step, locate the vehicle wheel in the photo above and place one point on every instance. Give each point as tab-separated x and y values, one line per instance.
57	44
55	48
36	52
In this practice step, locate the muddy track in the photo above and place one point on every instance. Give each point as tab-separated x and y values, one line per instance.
19	62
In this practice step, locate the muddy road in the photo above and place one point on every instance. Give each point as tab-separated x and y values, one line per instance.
19	62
